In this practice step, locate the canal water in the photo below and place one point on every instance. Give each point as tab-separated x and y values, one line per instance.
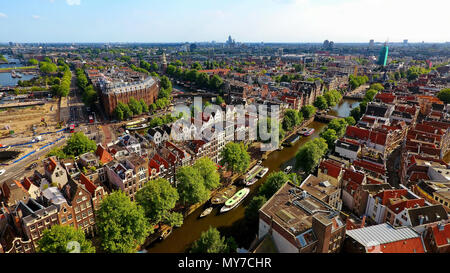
6	79
182	238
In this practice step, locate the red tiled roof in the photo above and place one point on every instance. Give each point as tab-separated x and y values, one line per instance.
353	176
370	166
413	245
88	184
442	237
332	169
388	194
103	154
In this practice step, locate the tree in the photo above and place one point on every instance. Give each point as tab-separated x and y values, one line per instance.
330	137
210	241
47	67
157	198
377	87
135	106
118	113
219	100
350	120
89	96
208	170
332	97
145	108
273	184
121	224
215	82
57	238
166	83
370	94
203	79
125	109
321	103
33	62
444	95
356	113
308	155
79	144
291	119
252	210
308	111
236	157
339	126
190	186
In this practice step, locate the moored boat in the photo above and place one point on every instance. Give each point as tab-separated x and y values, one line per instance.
250	182
306	131
223	195
235	200
288	169
262	172
206	212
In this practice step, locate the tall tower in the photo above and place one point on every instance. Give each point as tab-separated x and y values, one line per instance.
382	60
164	62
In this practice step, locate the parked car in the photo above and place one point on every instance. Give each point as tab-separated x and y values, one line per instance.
2	171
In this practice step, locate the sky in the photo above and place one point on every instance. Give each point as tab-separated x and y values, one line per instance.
155	21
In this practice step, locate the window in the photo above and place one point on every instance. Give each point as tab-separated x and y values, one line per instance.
90	211
84	198
77	209
84	215
47	221
88	204
63	220
91	220
78	218
83	206
69	217
32	227
40	224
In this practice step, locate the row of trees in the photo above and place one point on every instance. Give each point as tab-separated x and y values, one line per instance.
134	107
359	111
235	157
192	75
357	81
89	96
77	144
328	99
123	225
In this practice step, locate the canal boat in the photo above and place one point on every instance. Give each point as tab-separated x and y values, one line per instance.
206	212
252	173
262	173
307	131
223	195
235	200
165	232
288	169
291	140
250	182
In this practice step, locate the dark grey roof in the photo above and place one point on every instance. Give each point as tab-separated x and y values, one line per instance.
346	145
428	214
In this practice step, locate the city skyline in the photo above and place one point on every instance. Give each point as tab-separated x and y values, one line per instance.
269	21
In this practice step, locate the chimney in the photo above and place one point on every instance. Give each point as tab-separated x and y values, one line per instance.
363	222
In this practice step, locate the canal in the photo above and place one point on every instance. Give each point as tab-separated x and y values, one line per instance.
6	79
182	238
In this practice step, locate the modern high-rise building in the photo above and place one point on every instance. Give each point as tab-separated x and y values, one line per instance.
371	43
405	42
382	60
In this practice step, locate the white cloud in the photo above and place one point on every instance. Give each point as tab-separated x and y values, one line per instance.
2	15
36	17
73	2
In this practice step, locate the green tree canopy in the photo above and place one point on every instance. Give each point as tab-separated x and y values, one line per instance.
321	103
57	238
210	241
330	137
208	170
79	144
157	198
308	111
291	119
121	224
332	97
135	106
339	126
252	210
444	95
190	186
273	184
309	154
236	157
